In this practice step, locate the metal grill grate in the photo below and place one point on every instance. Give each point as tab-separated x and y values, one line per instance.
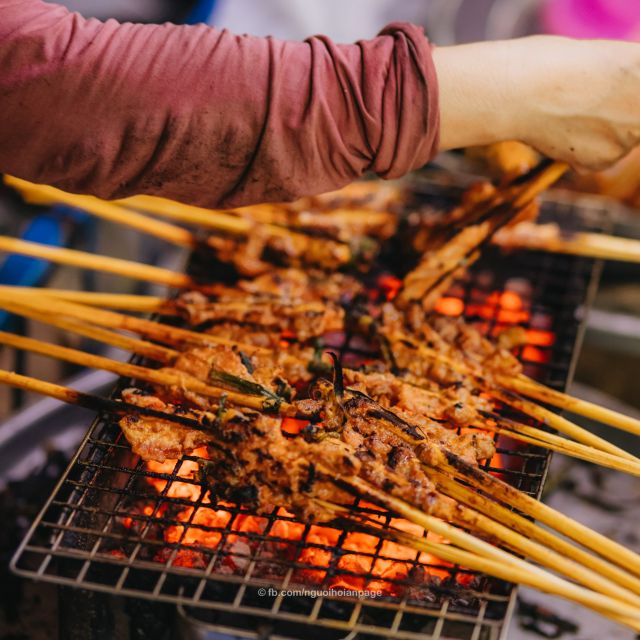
102	529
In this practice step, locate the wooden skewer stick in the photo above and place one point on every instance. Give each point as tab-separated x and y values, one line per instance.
539	438
507	494
475	562
599	246
533	389
562	424
473	498
93	402
124	301
134	345
542	555
503	492
452	464
164	333
436	268
43	194
527	387
84	260
469	542
154	376
204	218
451	554
456	556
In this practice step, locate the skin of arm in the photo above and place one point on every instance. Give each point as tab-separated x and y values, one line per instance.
573	100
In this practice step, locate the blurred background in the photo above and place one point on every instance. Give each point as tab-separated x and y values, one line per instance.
613	326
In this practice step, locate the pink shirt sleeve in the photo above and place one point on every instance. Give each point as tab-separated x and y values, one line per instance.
204	116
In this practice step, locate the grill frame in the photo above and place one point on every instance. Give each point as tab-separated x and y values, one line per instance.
445	621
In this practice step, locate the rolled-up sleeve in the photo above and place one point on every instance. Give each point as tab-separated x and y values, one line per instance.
204	116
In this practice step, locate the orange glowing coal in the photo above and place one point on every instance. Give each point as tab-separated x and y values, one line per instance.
503	309
364	562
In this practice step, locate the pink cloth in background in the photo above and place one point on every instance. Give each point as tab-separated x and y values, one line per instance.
616	19
202	115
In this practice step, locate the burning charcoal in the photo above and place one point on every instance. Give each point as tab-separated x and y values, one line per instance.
184	558
239	555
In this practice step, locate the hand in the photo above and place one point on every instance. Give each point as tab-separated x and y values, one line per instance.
572	100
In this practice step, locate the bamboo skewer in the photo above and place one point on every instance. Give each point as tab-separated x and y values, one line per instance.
437	268
563	425
482	503
124	301
527	387
43	194
154	376
599	246
533	389
134	345
118	266
93	402
205	218
542	555
164	333
471	543
117	212
475	562
470	560
572	529
539	438
501	491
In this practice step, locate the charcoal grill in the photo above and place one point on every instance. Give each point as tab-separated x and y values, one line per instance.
78	540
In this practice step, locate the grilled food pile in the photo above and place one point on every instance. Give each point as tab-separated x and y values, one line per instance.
315	377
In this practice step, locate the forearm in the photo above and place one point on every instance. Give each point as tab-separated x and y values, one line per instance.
478	100
202	115
574	100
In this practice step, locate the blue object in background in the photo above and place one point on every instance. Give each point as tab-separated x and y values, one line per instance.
23	271
201	12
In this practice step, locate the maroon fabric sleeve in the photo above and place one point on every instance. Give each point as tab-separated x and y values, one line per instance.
205	116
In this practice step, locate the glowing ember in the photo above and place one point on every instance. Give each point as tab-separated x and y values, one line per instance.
450	306
376	562
503	309
390	286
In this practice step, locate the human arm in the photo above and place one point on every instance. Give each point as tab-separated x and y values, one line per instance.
204	116
573	100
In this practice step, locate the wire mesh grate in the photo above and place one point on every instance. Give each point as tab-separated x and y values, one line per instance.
113	525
